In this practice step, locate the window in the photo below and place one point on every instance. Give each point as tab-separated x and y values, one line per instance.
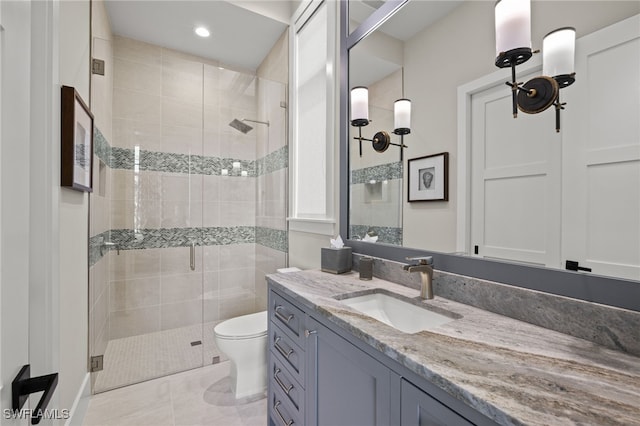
313	112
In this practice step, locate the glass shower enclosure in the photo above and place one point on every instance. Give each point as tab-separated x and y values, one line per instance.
191	213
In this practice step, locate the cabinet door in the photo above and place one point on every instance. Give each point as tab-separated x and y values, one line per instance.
420	409
345	386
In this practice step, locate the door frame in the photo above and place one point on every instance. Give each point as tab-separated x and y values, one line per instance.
31	322
548	167
44	190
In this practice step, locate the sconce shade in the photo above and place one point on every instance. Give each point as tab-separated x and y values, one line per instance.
402	117
513	30
359	106
558	55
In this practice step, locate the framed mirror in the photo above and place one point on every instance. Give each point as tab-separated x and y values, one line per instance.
360	10
446	63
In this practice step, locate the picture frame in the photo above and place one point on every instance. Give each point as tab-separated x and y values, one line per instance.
76	142
428	178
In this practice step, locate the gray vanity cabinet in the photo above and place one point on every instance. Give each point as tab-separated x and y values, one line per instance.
345	386
419	409
286	362
317	377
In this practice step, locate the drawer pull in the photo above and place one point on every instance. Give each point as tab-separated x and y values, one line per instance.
282	317
284	353
284	422
286	389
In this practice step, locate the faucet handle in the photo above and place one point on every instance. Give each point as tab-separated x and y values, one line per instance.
422	260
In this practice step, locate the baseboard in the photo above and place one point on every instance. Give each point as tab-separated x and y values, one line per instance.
81	403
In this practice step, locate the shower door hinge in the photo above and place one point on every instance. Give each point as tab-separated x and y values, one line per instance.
96	363
97	66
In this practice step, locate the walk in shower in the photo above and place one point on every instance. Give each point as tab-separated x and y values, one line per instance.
190	213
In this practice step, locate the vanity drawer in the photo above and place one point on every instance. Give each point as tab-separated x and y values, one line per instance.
288	317
287	352
282	411
284	381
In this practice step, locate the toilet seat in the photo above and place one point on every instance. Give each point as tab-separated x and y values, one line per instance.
243	327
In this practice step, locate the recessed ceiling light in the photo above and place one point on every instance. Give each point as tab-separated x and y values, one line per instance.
202	31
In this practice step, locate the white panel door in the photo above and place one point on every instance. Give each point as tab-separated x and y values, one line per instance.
515	183
601	171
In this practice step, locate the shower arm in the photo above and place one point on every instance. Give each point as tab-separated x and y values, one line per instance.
256	121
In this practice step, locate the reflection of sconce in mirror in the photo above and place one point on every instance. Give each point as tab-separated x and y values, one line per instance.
381	140
513	47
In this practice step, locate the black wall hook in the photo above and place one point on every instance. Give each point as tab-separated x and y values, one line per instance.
24	385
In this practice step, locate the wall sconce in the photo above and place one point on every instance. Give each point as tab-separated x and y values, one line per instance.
513	47
381	140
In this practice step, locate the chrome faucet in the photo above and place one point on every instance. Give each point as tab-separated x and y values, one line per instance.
425	267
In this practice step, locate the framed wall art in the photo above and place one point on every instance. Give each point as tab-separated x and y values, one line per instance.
429	178
76	142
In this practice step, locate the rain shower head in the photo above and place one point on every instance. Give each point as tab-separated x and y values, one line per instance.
239	125
245	128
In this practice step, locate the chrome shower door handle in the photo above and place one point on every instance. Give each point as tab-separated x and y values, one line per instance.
192	256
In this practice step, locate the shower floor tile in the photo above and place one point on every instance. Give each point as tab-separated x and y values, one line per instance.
197	397
136	359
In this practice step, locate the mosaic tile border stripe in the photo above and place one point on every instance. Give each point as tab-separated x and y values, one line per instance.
382	172
386	234
148	238
129	239
274	161
96	249
126	158
273	238
101	147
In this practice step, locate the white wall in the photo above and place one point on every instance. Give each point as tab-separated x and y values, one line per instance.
74	27
433	71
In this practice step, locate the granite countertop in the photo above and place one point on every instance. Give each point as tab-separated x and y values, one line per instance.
511	371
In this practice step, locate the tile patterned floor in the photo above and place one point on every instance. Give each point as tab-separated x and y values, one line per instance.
196	397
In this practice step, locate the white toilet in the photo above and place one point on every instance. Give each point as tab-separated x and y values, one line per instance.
243	340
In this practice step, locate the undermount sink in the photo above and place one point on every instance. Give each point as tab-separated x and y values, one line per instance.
397	313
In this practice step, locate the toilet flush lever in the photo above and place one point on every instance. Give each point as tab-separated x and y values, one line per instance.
308	333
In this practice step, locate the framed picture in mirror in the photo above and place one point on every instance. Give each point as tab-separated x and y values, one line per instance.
76	142
429	178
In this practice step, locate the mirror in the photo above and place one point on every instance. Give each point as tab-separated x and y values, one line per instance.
429	61
376	177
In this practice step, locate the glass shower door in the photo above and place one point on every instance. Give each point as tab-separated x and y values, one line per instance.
147	306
